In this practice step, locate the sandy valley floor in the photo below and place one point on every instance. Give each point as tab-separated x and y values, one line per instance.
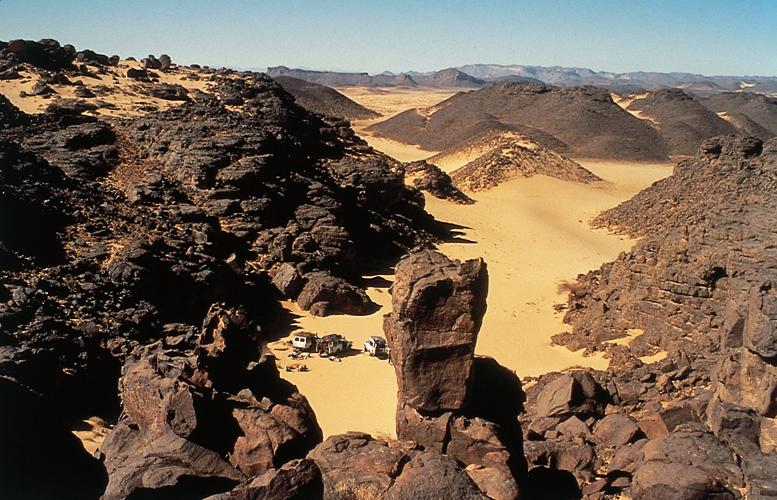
533	234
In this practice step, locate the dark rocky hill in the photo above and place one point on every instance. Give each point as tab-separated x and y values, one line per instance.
681	119
754	113
324	100
579	121
151	251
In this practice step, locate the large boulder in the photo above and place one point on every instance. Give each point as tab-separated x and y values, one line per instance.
431	476
358	464
438	307
745	379
295	480
689	463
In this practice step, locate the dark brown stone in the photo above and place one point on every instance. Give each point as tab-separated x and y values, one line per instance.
431	476
438	306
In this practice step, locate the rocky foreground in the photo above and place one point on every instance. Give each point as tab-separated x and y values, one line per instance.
148	254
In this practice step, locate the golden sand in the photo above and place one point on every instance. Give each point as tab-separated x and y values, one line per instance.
533	234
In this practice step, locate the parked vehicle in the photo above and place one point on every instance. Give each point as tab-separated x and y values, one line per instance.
305	341
376	346
332	344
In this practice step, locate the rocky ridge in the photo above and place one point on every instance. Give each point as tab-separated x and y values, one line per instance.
698	286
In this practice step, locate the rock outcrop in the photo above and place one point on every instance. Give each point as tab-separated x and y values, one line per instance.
214	393
447	400
151	250
432	179
499	157
438	307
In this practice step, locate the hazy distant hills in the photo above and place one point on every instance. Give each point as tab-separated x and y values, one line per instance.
625	83
480	75
333	79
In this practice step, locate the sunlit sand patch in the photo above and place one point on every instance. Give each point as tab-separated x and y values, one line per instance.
360	391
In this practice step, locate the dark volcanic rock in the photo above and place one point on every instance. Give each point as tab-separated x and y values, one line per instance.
438	306
179	425
338	293
151	242
47	54
295	480
358	464
699	285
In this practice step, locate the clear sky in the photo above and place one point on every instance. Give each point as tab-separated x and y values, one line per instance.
710	37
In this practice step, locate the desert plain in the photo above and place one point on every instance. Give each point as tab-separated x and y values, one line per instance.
534	236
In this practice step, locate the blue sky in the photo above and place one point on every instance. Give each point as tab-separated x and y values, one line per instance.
707	37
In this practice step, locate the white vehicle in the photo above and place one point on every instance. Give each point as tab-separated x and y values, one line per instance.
376	346
332	344
305	341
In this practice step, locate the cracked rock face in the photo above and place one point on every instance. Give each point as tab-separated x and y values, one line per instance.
438	308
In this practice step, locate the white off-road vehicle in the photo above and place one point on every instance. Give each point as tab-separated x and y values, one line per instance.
376	346
305	341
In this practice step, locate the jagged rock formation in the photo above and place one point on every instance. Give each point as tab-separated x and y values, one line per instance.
579	121
432	179
699	287
197	396
324	100
500	157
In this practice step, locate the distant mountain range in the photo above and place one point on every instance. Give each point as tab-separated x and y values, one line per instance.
481	75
